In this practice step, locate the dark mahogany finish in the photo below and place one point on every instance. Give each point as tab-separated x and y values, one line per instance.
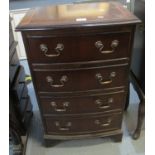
74	105
102	78
81	48
79	57
88	124
105	13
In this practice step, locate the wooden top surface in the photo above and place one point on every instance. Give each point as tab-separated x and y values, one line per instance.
74	15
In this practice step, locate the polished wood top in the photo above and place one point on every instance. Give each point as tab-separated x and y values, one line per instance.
74	15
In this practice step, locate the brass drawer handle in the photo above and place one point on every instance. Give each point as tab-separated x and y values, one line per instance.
64	104
58	49
99	45
98	122
65	128
63	79
99	77
101	104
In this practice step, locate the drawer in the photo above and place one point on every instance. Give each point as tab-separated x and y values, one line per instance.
48	49
13	66
80	80
82	125
85	104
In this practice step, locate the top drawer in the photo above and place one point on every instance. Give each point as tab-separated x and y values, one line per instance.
52	49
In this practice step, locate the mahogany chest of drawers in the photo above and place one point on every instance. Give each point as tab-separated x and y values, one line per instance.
79	56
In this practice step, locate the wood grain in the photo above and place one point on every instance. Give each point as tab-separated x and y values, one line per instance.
87	14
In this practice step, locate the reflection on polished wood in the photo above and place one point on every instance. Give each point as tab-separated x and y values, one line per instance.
83	11
74	14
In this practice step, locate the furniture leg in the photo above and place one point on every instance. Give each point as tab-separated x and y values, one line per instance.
141	113
117	138
141	110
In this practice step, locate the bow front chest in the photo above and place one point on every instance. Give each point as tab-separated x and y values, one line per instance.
79	57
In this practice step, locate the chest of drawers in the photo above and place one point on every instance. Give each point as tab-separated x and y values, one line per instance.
79	57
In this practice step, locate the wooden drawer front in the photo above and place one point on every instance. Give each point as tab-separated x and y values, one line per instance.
13	65
80	80
78	48
70	125
86	104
